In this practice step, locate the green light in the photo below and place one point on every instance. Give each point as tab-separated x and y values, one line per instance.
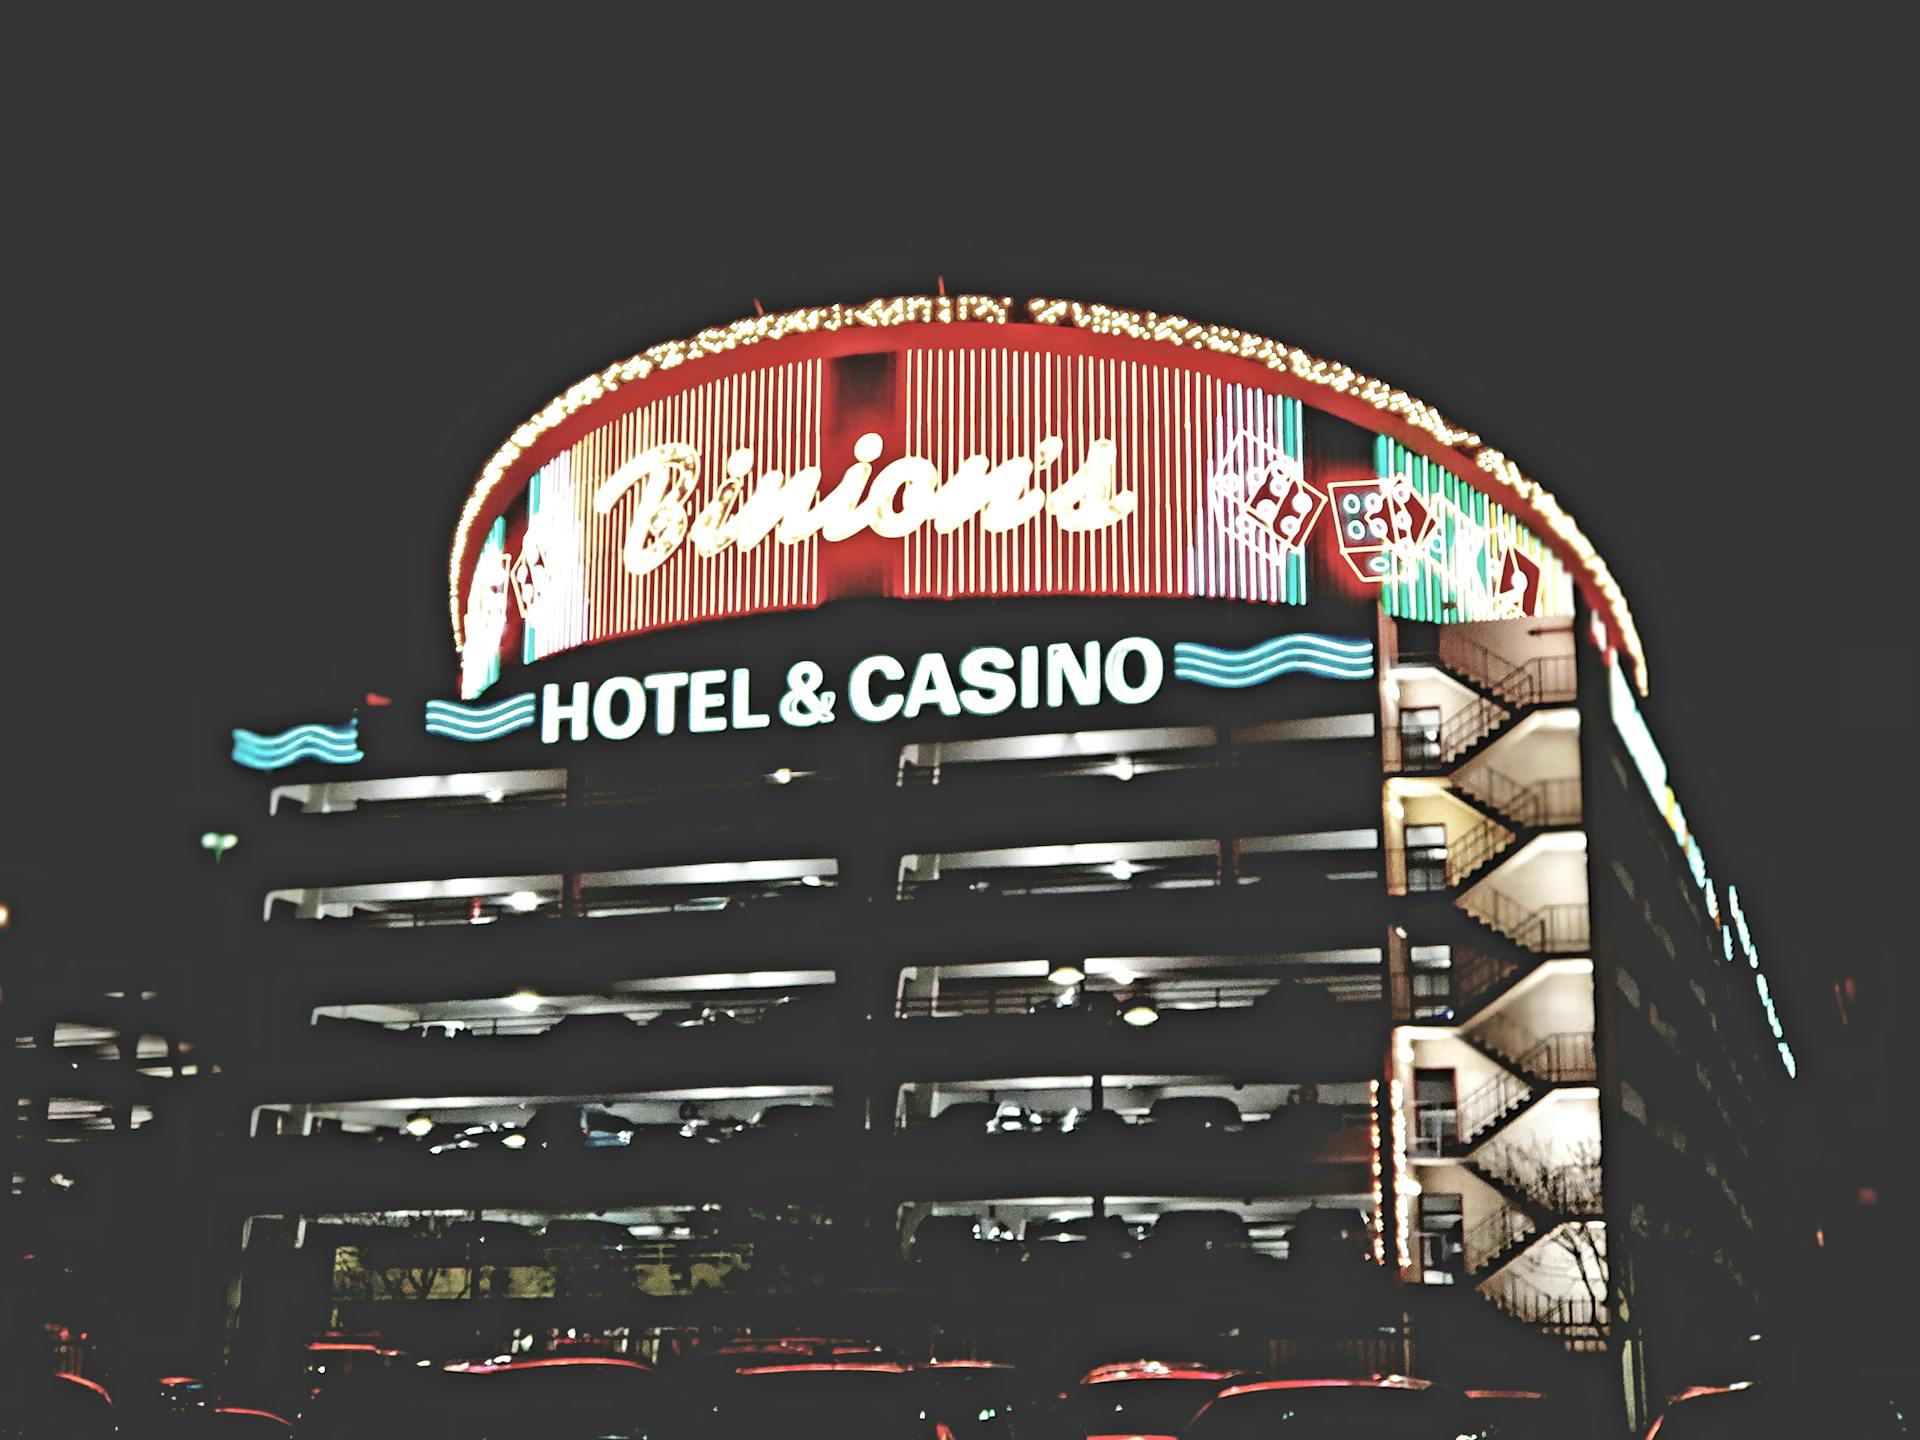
219	842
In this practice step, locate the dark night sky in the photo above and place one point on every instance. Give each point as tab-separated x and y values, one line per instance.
282	278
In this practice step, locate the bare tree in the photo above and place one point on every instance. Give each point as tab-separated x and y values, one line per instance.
419	1244
1564	1187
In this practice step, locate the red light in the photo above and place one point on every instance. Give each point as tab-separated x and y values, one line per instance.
93	1385
871	1367
1378	1382
1869	1196
377	699
467	1367
1153	1370
262	1414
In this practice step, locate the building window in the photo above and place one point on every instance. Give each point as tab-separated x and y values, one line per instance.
1442	1259
1436	1111
1420	736
1426	858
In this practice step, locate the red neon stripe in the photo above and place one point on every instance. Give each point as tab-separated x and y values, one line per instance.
1155	1370
262	1414
486	1367
872	1367
93	1385
1378	1382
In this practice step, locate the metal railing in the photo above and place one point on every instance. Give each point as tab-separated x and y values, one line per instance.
1571	1189
1476	974
1542	680
1549	930
1476	849
687	1013
1534	681
1487	1105
1569	1316
1042	998
1558	1059
1524	806
1501	1232
1563	1057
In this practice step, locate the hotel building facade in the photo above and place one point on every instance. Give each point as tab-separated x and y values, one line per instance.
955	817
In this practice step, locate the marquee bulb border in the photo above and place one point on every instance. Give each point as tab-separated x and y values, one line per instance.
1328	376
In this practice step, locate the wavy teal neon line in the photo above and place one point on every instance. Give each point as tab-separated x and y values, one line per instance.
346	734
453	710
1359	669
480	726
1241	681
1326	656
511	722
480	722
343	746
330	744
506	727
1327	644
273	747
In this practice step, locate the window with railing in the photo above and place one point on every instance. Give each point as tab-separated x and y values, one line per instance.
1123	755
517	899
1167	987
1272	860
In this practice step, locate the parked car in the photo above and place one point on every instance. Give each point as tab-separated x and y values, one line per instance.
59	1407
493	1242
607	1032
965	1122
853	1399
1194	1115
1184	1234
1391	1407
598	1234
1145	1397
980	1399
577	1127
1078	1238
571	1397
1100	1126
944	1238
1526	1415
1763	1411
791	1121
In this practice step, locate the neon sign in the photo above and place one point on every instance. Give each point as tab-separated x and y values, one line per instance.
329	744
936	449
1652	765
1760	986
986	680
906	494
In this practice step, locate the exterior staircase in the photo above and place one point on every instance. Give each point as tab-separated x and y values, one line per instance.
1548	930
1503	693
1514	814
1575	1321
1555	1060
1528	1211
1480	978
